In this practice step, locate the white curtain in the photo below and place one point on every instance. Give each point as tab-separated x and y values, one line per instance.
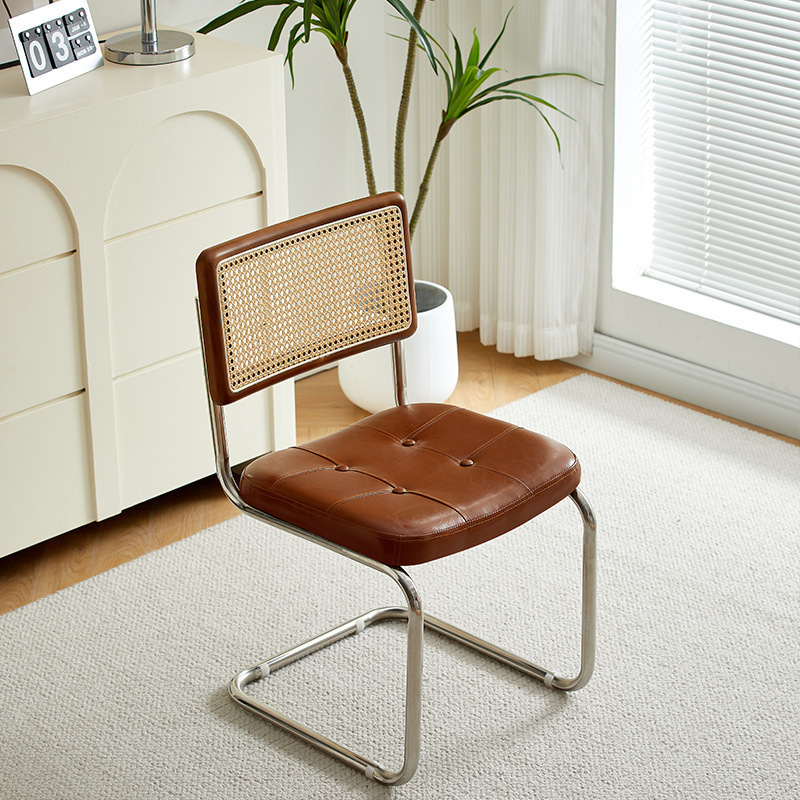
512	233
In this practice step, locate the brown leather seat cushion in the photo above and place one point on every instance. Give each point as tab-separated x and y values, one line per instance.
414	483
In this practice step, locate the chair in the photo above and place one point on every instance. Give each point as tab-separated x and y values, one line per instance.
404	486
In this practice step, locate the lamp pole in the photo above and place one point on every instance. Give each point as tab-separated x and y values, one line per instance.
153	46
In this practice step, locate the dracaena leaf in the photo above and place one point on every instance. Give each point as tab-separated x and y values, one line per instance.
499	37
308	12
239	11
533	99
459	70
280	24
422	35
474	53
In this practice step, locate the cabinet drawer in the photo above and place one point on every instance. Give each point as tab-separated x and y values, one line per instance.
40	339
188	163
35	224
45	474
151	283
163	430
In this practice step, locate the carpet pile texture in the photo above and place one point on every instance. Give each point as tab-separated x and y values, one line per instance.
117	687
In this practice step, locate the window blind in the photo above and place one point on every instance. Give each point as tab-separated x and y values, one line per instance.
725	118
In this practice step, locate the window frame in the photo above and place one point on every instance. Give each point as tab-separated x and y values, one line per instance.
635	310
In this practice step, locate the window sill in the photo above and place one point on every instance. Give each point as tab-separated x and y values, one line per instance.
710	308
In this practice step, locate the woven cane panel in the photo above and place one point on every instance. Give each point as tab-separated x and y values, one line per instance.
313	294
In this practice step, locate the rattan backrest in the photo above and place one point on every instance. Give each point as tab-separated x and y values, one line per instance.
304	293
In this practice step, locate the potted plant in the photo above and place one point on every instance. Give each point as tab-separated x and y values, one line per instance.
470	83
466	77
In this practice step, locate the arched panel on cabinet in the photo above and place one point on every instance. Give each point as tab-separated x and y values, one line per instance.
43	417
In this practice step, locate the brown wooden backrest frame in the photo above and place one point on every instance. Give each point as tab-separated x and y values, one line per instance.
213	310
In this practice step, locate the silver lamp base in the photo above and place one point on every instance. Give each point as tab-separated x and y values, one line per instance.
169	46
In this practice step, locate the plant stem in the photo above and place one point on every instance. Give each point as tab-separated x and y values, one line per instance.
402	111
444	129
341	54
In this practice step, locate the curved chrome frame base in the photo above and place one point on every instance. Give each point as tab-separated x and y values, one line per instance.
416	622
413	694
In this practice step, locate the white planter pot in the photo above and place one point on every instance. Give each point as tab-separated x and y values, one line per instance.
431	358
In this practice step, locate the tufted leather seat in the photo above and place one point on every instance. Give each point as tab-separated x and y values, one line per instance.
414	483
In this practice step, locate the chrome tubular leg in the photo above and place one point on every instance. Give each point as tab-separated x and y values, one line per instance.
416	622
413	614
588	618
413	713
589	598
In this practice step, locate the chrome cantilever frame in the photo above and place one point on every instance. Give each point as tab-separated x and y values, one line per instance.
411	612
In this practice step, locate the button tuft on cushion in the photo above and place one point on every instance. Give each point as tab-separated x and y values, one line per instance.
443	510
408	442
467	462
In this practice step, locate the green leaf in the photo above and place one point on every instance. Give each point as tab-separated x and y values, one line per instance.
552	130
328	22
511	81
474	53
533	99
398	6
555	75
328	34
459	71
443	51
538	110
348	7
499	37
239	11
295	36
462	89
308	11
473	79
279	25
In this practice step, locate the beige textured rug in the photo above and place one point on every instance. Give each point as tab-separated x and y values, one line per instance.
116	687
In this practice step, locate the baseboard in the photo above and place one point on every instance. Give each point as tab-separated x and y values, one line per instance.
691	383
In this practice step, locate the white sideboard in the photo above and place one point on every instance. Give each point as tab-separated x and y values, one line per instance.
110	186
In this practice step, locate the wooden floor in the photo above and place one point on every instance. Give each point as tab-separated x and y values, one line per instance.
487	380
